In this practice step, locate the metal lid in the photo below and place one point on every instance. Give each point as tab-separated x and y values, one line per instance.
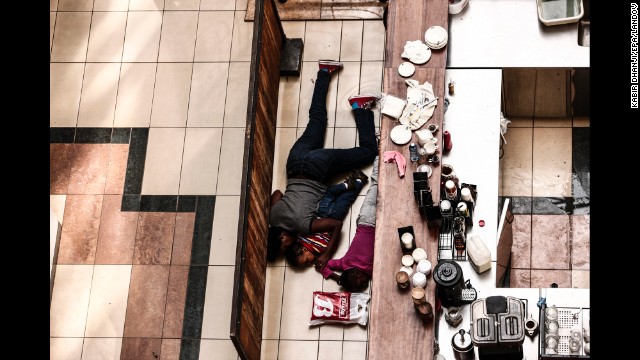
447	273
461	341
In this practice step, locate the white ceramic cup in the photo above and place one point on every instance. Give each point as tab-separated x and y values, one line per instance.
430	148
419	280
424	266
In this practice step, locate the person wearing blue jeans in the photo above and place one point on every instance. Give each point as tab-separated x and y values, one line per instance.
310	167
338	199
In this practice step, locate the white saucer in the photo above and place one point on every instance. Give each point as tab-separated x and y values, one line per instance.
406	69
400	134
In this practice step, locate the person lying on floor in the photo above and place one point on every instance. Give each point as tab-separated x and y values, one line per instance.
310	166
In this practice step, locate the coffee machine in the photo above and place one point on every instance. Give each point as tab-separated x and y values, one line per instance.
497	327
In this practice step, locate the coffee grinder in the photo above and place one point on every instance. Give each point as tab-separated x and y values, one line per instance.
497	327
451	288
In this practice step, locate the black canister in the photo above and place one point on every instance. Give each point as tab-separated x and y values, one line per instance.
462	346
449	282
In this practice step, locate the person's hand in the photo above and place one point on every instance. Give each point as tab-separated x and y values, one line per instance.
321	261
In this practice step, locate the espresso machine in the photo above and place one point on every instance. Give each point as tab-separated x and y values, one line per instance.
497	327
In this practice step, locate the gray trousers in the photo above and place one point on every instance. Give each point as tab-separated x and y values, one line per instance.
367	215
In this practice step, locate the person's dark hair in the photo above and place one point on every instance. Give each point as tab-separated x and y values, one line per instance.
292	253
354	280
273	242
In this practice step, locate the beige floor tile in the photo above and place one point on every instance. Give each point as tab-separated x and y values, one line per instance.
56	203
520	122
163	162
108	301
307	80
70	300
52	26
288	101
213	42
200	161
53	5
99	90
231	158
348	84
106	39
135	95
298	350
110	5
102	348
371	79
551	162
516	163
217	5
345	138
217	349
274	286
330	350
293	29
580	242
242	38
225	237
521	247
181	4
178	37
65	85
65	348
146	4
241	4
235	108
269	350
171	95
544	278
581	121
299	286
285	137
373	41
325	37
580	279
520	278
208	95
551	122
75	5
550	242
351	41
142	38
551	93
354	350
356	332
215	323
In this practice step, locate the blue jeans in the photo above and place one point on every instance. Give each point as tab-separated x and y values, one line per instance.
308	158
336	201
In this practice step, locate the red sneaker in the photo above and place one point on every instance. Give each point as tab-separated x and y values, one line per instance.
364	101
329	65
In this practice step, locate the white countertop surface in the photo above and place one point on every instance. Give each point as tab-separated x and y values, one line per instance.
508	33
473	119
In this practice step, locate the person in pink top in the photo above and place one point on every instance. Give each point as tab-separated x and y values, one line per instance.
357	264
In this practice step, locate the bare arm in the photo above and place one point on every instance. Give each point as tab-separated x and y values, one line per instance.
275	197
333	227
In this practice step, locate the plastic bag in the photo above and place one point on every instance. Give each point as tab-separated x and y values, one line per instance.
339	307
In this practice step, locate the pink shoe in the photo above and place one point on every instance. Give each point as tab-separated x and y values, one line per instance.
329	65
367	101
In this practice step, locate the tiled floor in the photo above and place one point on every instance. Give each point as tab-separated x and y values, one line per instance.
147	117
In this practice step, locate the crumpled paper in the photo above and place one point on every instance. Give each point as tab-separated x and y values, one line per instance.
394	156
421	103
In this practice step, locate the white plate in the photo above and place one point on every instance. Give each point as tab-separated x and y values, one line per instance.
400	134
406	69
422	57
436	37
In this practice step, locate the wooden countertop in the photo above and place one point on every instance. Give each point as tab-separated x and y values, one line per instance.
395	330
